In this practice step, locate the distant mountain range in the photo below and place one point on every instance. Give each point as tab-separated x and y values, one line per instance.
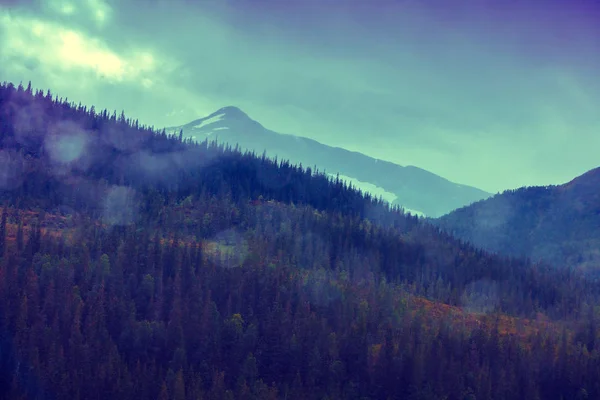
417	190
560	224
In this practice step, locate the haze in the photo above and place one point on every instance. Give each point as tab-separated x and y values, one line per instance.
494	94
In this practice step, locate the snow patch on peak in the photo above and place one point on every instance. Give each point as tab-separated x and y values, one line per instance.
209	120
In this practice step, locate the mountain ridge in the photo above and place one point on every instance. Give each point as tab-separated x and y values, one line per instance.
556	223
415	188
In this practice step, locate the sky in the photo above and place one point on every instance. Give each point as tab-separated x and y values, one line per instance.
493	94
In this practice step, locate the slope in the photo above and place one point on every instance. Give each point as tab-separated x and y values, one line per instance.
560	224
163	269
413	188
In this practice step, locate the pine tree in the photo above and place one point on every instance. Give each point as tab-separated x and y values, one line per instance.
20	239
3	232
179	387
164	393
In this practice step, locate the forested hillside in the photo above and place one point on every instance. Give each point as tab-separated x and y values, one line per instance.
558	224
138	265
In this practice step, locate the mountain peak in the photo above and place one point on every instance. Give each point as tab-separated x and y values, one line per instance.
230	112
590	177
228	118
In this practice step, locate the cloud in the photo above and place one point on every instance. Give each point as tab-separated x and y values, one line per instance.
113	69
98	11
66	143
120	206
11	170
62	7
478	96
67	50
